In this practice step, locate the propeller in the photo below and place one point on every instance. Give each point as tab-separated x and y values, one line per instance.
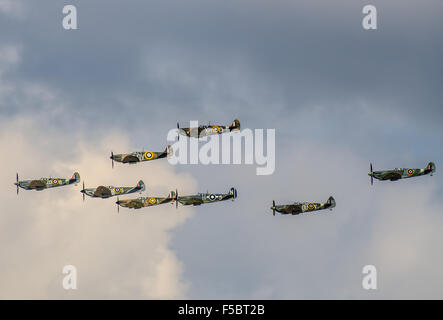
273	207
372	176
83	191
118	205
178	131
17	183
176	198
112	158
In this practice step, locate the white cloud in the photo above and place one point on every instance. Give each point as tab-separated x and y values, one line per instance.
124	255
406	240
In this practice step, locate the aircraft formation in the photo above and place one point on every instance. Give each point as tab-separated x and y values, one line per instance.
105	192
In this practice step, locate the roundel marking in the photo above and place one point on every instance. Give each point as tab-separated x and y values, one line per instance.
152	200
117	190
214	129
411	172
55	181
149	155
311	206
212	197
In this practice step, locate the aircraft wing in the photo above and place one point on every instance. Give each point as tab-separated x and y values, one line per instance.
37	184
391	175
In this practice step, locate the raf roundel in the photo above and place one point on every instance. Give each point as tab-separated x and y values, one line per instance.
149	155
117	190
55	181
410	172
212	197
311	206
152	200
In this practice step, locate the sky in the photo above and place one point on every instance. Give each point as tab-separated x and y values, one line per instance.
338	97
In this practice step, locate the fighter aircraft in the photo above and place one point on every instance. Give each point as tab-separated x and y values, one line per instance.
46	183
143	202
302	207
110	191
202	131
400	173
137	156
202	198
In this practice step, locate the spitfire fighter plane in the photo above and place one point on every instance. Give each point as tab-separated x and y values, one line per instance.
202	198
203	131
111	191
46	183
400	173
137	156
302	207
144	202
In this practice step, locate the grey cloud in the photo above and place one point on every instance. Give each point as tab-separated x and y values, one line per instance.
338	97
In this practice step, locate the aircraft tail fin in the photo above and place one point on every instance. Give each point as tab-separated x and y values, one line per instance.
235	125
169	151
75	178
331	202
431	167
141	186
233	192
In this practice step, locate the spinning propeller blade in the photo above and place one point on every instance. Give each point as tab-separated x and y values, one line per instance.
112	158
372	177
17	183
176	198
83	191
118	205
273	207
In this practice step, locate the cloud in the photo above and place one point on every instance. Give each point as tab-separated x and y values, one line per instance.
13	8
392	225
406	240
124	255
338	97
